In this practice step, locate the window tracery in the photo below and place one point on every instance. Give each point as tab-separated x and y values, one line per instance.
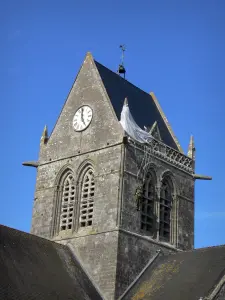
87	198
148	204
165	207
67	202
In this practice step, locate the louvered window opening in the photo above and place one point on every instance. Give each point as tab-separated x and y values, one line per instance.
147	205
165	211
87	199
67	206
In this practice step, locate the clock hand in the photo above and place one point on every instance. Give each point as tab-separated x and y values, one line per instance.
82	116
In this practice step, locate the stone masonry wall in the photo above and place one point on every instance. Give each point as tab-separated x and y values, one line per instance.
104	129
106	164
134	252
100	143
98	254
68	147
184	195
112	258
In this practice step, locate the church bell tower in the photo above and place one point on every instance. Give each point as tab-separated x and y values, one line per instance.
111	191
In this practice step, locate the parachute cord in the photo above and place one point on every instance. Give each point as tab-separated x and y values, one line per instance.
145	160
146	165
142	164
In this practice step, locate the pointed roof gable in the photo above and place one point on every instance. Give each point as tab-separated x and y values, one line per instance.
143	106
87	60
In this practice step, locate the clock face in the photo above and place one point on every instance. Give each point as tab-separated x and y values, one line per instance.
82	118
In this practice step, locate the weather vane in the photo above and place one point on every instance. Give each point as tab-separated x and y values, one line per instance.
122	69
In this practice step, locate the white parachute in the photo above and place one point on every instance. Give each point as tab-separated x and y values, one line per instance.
131	127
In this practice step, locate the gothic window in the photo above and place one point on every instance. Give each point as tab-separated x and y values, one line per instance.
87	198
147	204
67	202
165	209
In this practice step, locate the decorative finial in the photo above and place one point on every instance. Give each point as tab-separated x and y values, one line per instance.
191	148
122	69
44	137
125	102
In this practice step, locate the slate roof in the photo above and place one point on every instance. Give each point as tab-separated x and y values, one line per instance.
185	275
142	105
35	268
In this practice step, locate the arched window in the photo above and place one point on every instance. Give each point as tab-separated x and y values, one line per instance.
67	202
165	206
148	204
87	198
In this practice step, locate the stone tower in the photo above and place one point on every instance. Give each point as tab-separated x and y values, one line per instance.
114	201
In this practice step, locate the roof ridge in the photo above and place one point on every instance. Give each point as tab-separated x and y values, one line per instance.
31	234
209	247
123	79
200	249
149	264
166	121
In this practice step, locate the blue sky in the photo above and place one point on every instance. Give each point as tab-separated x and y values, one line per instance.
174	48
